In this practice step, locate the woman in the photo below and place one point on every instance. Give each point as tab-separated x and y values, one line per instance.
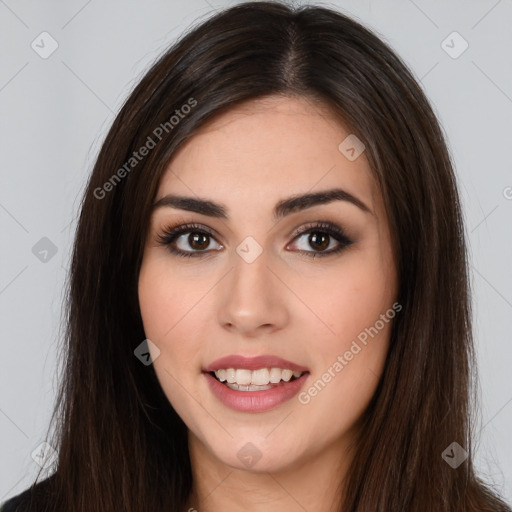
269	303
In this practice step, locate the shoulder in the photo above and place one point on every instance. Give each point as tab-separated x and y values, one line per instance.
16	503
22	501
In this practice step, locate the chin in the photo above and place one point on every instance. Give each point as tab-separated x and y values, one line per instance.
257	454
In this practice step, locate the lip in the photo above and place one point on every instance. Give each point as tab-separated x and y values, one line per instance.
253	363
255	401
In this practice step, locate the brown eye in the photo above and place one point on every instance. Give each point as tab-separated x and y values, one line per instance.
193	240
199	241
322	236
186	240
320	243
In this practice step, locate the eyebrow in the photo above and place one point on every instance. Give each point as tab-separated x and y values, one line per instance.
282	209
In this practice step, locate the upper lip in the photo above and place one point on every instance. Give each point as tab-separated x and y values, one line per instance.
253	363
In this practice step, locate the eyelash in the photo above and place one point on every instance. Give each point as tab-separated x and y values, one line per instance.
171	233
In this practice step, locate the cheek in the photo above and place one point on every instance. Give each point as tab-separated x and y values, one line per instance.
171	306
164	299
351	352
165	321
351	356
349	299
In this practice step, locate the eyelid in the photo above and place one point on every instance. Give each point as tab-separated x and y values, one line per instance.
326	226
179	228
171	233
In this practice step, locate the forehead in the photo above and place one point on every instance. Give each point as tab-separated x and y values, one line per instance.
266	149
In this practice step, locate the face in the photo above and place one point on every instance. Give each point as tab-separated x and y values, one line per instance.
291	301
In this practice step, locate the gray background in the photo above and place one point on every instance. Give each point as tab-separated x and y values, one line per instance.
54	115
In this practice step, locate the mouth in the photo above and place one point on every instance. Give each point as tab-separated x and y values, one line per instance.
241	379
254	384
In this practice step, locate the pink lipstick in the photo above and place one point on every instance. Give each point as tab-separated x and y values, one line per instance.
254	384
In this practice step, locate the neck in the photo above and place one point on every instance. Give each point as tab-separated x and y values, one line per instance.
311	483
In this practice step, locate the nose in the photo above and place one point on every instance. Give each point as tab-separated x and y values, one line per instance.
253	298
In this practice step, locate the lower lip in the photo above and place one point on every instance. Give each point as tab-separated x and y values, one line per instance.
255	401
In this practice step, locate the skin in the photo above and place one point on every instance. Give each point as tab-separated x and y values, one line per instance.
286	303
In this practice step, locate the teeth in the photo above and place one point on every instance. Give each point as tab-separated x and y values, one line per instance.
287	375
259	378
251	387
221	375
275	375
243	377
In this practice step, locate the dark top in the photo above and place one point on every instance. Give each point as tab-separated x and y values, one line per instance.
16	504
12	504
21	502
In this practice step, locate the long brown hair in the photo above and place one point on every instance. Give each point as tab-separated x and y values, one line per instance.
121	446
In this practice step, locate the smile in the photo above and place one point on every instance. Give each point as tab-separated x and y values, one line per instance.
255	380
254	384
